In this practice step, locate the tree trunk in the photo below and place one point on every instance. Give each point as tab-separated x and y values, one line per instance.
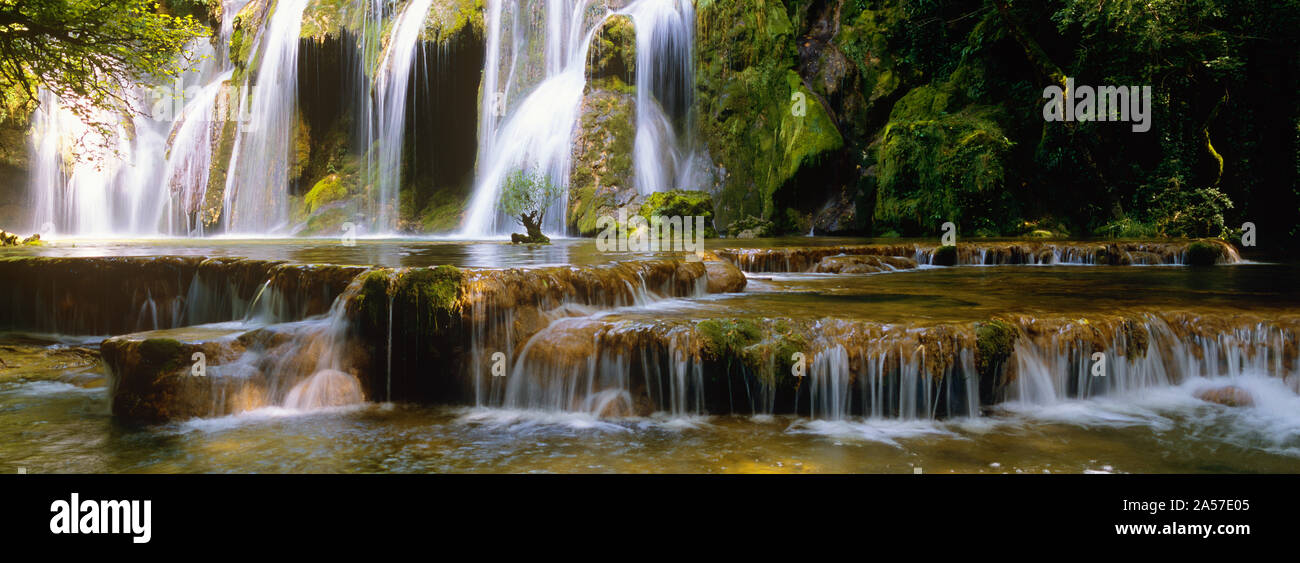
533	225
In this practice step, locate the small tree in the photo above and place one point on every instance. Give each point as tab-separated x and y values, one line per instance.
525	197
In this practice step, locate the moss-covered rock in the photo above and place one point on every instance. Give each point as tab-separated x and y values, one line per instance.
728	338
751	227
995	342
243	37
613	51
1203	253
944	256
680	203
328	190
759	120
935	166
602	180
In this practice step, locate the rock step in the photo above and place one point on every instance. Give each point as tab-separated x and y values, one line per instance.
831	258
613	366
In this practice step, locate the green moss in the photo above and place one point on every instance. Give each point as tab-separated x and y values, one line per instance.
329	190
243	37
764	348
448	18
995	341
1202	253
613	50
430	295
371	302
935	166
727	339
944	256
751	226
443	212
679	203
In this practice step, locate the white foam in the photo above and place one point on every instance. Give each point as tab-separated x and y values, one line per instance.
884	431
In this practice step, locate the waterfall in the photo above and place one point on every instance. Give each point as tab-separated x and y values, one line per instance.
91	182
85	184
189	161
665	84
537	132
390	87
257	189
193	137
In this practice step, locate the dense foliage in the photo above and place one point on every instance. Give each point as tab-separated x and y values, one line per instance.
940	107
89	53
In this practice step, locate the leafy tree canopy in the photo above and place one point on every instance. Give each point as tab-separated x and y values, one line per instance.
89	53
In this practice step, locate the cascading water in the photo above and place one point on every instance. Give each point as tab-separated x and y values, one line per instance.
257	189
665	40
190	158
390	91
114	186
190	151
92	182
537	132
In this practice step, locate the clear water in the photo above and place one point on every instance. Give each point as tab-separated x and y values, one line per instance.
54	413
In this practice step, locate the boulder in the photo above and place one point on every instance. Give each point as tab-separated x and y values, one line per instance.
155	377
724	277
862	264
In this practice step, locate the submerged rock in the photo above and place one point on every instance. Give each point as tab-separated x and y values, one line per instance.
27	360
862	264
1228	396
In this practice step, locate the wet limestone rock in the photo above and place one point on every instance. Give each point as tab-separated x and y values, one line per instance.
153	379
724	277
862	264
602	180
